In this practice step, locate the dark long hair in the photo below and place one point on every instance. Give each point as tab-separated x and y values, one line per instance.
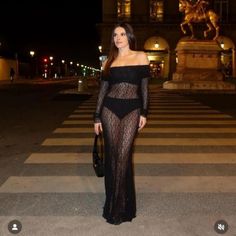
114	50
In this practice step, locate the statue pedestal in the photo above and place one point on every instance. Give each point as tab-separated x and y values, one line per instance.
198	67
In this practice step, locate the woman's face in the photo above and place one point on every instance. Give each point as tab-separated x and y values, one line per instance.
120	38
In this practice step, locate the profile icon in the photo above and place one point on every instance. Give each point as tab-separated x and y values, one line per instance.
14	226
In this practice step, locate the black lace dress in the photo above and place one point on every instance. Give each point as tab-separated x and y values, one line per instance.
122	98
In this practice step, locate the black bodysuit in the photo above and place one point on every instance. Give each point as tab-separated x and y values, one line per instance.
122	98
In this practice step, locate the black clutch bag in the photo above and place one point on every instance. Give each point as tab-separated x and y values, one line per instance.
98	156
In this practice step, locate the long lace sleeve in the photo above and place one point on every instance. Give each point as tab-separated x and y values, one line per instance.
102	92
144	92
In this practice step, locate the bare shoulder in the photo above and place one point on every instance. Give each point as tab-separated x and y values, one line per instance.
142	58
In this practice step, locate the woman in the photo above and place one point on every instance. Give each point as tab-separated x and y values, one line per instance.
120	112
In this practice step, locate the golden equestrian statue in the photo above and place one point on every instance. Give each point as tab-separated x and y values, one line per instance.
197	13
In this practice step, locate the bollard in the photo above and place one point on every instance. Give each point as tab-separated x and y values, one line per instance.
80	85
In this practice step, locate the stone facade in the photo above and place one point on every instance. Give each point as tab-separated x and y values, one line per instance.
168	29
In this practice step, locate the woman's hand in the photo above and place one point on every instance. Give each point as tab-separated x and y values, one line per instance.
142	122
97	128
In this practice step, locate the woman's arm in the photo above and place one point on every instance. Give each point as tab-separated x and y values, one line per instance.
144	90
102	92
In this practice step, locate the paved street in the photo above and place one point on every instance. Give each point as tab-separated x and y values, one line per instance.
185	164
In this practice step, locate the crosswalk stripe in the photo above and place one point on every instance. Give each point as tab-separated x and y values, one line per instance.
81	110
146	141
188	130
155	130
73	122
190	116
57	158
185	158
86	107
174	102
219	122
157	108
188	111
172	116
156	122
74	130
81	116
138	158
180	106
144	184
152	100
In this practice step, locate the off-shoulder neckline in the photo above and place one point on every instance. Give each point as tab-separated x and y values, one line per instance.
128	66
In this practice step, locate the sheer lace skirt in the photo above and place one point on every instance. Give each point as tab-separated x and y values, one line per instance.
119	136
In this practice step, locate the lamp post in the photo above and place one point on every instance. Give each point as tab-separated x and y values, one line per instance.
100	48
63	68
101	59
51	66
71	72
32	64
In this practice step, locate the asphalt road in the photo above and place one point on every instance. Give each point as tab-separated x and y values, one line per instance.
29	113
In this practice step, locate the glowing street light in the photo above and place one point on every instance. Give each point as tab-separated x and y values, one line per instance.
32	53
100	48
222	45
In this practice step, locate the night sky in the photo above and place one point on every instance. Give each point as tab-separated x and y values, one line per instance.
52	27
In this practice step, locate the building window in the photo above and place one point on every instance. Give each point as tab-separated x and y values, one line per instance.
156	10
124	8
222	9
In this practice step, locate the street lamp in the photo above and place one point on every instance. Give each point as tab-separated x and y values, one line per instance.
51	67
32	64
222	44
32	53
156	45
100	48
63	68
